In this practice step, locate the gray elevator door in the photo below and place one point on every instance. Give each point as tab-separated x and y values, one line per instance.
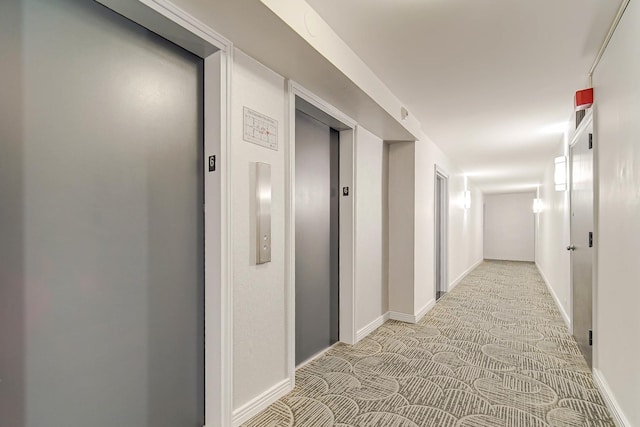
317	231
103	190
582	254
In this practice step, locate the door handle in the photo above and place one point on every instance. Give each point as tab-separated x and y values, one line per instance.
571	247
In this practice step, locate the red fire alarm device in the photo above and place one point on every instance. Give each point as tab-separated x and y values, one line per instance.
584	99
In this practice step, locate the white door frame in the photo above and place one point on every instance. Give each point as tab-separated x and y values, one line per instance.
439	172
347	221
582	128
592	116
165	19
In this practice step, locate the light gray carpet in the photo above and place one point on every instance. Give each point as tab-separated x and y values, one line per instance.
493	352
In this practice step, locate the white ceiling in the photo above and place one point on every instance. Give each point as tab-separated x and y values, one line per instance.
257	31
483	77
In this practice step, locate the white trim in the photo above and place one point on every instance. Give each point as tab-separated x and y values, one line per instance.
402	317
444	217
313	99
201	36
583	127
596	233
607	38
413	318
351	337
424	310
261	402
290	234
439	170
617	414
189	22
464	274
394	315
375	324
565	316
226	243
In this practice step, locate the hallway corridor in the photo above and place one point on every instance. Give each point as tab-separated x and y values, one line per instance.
492	352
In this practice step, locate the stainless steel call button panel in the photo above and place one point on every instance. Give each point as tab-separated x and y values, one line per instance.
263	212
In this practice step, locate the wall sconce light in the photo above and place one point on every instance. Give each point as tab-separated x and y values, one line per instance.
560	173
467	199
537	205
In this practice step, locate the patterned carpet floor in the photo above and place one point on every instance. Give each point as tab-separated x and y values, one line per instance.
494	352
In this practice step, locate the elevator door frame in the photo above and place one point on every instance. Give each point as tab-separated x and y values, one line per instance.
347	127
172	23
441	228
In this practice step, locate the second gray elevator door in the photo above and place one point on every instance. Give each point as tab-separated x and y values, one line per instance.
316	237
108	176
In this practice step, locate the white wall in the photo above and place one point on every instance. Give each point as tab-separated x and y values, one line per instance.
259	351
259	292
371	262
464	225
402	181
427	156
617	237
412	226
509	226
552	238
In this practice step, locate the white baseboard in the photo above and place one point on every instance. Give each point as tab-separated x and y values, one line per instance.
412	318
260	403
371	326
565	316
424	310
464	274
402	317
616	412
